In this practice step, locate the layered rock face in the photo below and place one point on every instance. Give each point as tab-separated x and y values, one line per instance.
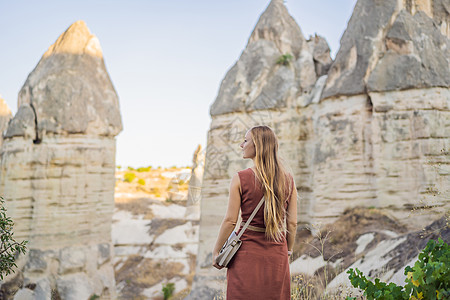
57	170
368	129
384	112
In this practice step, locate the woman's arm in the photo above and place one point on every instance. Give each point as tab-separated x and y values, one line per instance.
230	219
291	218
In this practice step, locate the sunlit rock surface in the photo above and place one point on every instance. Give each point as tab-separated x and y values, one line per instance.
5	116
57	170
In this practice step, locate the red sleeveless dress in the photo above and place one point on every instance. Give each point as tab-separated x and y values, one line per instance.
260	269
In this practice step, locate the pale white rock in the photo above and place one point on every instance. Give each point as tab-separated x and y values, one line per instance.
181	234
24	294
316	92
172	211
307	265
128	230
125	250
74	286
363	241
73	258
43	290
389	233
165	252
374	260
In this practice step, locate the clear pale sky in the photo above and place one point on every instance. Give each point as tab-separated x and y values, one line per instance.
166	59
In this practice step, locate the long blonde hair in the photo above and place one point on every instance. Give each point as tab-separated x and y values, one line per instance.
274	179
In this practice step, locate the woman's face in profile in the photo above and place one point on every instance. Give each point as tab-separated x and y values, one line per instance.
248	147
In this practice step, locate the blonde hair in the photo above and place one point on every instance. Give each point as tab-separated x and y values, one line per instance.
274	179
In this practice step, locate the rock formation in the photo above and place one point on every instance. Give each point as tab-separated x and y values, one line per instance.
5	116
195	184
273	77
57	170
368	129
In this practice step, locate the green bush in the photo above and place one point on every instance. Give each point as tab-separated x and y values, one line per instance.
129	177
141	181
168	290
130	169
144	169
10	249
284	59
429	278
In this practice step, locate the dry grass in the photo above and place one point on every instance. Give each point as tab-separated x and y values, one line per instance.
340	237
337	241
139	273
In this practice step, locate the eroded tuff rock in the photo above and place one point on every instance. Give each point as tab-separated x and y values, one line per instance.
321	54
417	56
392	45
257	81
441	14
23	123
78	98
360	44
57	171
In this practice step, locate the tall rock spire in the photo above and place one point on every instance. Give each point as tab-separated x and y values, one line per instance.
70	91
57	171
257	81
77	39
277	25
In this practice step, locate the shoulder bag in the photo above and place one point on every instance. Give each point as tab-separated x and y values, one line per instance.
233	243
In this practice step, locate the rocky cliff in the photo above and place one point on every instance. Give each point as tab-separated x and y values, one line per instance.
57	171
367	129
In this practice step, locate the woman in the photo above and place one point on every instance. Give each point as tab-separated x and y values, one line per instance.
260	269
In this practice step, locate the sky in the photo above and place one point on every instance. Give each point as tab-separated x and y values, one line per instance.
166	59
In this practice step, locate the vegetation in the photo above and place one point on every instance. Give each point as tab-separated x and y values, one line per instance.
9	249
429	278
141	181
129	177
314	287
285	59
168	290
144	169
